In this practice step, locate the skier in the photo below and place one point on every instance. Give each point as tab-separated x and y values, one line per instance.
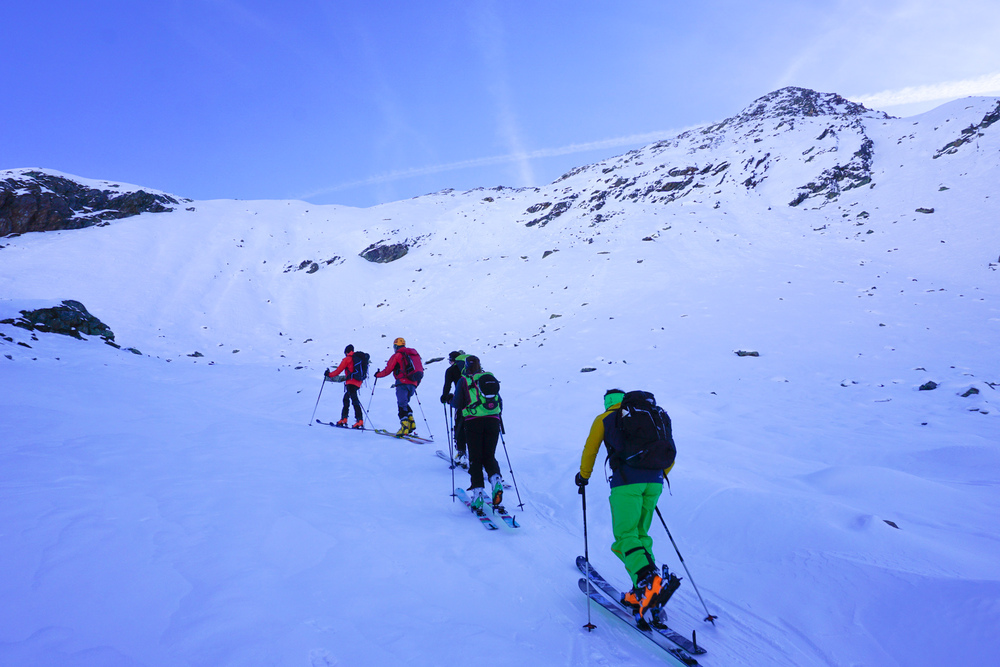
634	494
351	386
481	424
407	369
452	376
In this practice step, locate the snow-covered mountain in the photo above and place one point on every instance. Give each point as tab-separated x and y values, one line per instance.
172	506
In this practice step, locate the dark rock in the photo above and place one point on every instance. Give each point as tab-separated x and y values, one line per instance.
71	319
556	211
34	201
929	386
970	133
857	172
382	253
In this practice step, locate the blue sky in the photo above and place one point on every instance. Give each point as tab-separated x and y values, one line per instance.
366	102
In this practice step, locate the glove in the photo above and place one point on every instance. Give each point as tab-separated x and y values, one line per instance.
326	374
581	481
446	398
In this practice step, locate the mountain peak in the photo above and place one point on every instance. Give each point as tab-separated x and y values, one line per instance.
794	102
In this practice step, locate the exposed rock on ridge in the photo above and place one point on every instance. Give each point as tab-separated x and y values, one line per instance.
38	201
736	155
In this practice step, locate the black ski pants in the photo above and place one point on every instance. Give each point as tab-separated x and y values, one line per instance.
351	396
481	436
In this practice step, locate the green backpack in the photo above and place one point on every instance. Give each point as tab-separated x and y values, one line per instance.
484	396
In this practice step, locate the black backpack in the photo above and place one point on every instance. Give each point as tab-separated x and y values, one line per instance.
646	437
360	372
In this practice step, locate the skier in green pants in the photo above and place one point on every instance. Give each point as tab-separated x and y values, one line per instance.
634	494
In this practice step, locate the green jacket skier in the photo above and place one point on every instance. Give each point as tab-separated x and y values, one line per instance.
482	431
634	494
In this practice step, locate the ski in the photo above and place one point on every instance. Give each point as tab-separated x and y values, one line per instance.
409	436
506	516
346	428
481	515
451	464
381	431
682	657
601	583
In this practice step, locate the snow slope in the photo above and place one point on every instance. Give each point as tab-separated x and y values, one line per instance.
163	509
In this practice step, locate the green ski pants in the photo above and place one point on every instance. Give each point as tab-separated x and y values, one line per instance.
632	509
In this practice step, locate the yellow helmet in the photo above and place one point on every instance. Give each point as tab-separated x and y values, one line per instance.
399	342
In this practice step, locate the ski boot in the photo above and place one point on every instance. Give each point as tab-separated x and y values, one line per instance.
671	582
342	423
630	601
497	483
648	585
658	617
478	500
360	424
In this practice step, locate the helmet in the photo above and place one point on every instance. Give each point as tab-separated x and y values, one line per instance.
348	349
399	342
454	355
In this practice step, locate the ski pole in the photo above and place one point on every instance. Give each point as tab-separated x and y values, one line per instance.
709	617
451	455
367	415
422	415
372	396
447	426
509	467
586	556
317	400
451	425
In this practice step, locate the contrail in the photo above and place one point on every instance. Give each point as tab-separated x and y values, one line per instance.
570	149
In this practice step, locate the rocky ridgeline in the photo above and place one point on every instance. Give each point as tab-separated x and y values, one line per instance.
653	174
37	201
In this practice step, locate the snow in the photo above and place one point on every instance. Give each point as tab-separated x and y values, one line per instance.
164	509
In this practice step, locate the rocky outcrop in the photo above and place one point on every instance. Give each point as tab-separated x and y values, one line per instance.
970	133
38	201
383	253
71	318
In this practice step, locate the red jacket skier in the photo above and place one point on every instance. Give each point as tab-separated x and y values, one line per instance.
407	370
351	386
